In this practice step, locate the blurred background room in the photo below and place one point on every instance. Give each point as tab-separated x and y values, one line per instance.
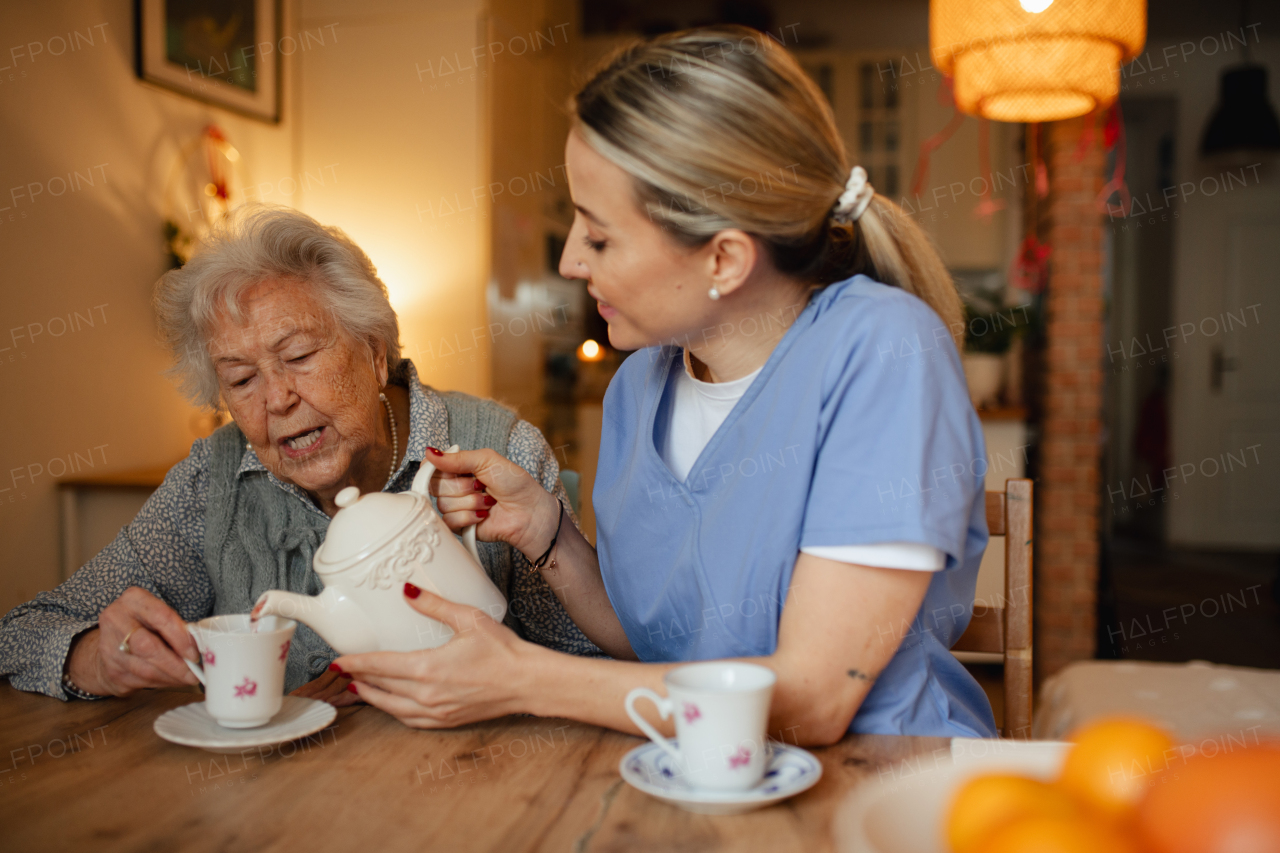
1119	267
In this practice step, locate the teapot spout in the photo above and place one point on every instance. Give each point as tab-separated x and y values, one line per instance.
338	620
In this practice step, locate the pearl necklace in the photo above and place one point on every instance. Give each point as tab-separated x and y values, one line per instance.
395	439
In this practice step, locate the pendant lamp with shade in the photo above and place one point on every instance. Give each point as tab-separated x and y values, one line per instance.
1035	60
1244	125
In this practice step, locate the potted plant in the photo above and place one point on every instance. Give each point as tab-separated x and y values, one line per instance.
991	327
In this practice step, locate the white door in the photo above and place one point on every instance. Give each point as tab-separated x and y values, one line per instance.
1227	444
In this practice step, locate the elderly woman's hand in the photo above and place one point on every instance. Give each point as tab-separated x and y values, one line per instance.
330	687
157	642
481	486
477	675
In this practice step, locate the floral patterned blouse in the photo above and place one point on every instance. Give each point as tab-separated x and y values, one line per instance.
162	549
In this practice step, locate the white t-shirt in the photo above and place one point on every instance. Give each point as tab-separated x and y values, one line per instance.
697	411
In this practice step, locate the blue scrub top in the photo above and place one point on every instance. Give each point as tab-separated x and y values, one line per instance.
857	430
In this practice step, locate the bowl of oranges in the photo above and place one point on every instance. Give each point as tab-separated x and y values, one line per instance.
1121	785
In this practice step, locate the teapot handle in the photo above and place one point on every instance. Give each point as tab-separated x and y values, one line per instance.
421	485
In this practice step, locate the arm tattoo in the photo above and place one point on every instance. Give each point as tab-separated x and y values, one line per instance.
861	676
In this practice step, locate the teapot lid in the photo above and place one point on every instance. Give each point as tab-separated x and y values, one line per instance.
365	522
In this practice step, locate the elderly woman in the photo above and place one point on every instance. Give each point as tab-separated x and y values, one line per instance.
286	324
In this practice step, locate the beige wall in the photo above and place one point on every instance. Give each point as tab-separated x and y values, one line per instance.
354	112
94	391
400	106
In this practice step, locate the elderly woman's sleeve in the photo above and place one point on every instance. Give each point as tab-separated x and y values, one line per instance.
161	551
533	601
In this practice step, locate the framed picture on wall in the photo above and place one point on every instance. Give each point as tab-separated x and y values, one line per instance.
222	52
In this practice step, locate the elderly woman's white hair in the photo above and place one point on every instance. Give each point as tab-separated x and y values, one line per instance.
256	243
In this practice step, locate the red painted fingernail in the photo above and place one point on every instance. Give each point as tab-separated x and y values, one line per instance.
482	513
333	667
490	500
352	688
411	591
480	487
436	452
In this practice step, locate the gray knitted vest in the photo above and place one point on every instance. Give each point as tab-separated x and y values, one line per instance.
259	537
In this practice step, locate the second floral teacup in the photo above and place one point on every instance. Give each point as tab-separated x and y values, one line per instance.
721	710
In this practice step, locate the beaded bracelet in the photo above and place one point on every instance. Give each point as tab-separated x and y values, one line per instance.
542	561
69	687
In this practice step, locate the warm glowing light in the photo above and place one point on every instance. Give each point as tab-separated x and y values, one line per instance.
210	189
590	351
234	155
408	281
1035	60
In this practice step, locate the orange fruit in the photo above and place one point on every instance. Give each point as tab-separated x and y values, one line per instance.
988	803
1227	803
1113	763
1058	835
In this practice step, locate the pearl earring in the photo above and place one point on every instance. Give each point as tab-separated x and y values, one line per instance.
714	294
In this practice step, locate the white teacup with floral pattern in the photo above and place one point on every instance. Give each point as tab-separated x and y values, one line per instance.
722	711
242	667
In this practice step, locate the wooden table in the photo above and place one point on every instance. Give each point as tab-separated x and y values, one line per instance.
94	776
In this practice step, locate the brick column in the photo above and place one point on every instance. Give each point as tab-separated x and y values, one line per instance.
1067	492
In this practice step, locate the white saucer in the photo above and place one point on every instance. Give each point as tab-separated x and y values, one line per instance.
191	725
790	770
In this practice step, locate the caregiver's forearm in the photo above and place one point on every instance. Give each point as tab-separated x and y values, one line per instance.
591	690
576	580
595	691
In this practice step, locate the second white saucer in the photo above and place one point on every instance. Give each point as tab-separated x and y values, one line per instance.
789	771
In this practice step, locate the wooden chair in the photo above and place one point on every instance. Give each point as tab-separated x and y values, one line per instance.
1006	629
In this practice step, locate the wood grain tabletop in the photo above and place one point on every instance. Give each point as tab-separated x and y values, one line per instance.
95	776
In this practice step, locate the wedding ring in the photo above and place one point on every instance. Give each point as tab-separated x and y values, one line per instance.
124	644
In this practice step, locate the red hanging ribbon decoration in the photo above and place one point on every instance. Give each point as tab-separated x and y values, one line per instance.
945	96
1113	137
987	206
1031	265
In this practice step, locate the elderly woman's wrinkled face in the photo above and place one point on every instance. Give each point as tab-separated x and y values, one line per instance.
302	390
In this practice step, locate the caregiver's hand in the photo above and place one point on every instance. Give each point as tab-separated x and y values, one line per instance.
512	507
158	640
477	675
482	486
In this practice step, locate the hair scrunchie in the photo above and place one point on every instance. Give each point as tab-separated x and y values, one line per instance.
855	198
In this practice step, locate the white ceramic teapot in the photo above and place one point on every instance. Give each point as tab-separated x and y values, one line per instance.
375	543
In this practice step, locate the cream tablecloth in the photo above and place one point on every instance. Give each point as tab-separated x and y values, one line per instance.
1194	701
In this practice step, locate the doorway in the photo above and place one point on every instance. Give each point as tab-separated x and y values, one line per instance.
1199	544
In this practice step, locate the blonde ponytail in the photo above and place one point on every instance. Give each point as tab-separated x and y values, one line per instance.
903	255
721	128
